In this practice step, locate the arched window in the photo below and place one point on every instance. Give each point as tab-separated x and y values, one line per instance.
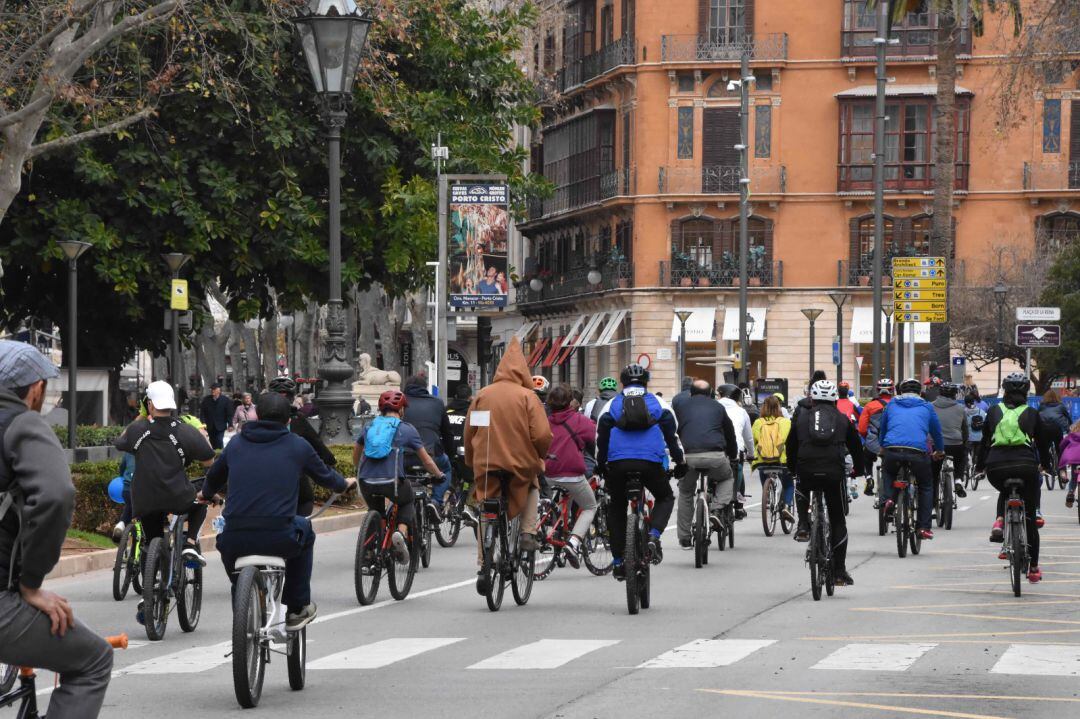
1053	232
695	241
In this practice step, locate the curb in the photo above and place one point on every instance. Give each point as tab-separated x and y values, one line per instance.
104	559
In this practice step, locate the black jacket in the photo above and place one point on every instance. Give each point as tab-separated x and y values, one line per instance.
1057	415
216	414
303	429
1032	425
805	457
456	412
704	426
163	447
678	400
428	415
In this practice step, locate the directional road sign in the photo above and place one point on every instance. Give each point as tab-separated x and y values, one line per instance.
908	295
920	284
918	262
920	307
920	289
1029	336
919	273
922	316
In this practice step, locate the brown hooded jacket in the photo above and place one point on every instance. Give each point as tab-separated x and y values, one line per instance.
514	437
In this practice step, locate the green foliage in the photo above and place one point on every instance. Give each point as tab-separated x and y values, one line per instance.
92	538
90	435
1063	290
94	511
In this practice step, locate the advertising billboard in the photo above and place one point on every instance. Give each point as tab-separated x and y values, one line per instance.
479	223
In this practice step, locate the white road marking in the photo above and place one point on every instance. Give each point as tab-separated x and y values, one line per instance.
965	508
706	653
544	654
1056	660
874	657
392	602
380	654
984	497
188	661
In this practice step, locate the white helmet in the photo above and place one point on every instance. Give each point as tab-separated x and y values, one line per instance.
824	391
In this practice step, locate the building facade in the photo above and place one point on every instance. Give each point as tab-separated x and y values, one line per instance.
641	124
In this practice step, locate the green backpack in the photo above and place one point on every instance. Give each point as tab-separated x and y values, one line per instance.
1008	432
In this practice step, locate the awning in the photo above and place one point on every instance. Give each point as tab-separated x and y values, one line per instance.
609	330
538	350
525	331
590	329
699	325
862	328
898	91
554	352
571	337
731	323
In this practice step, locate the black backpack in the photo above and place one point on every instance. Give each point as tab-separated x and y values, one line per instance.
635	413
825	426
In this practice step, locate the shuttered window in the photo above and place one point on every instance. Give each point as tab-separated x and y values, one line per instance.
1074	145
719	158
575	155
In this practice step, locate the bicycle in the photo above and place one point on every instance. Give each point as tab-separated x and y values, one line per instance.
26	693
944	500
701	527
819	554
553	529
448	526
427	514
374	555
1015	538
1051	478
637	556
772	505
503	561
905	512
128	566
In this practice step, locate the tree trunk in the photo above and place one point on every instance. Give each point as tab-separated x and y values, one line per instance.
941	232
252	363
269	349
368	308
236	358
421	350
387	324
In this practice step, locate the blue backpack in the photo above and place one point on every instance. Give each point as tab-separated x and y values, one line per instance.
379	438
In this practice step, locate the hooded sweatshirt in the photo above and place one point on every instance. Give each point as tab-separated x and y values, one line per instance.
953	419
507	429
456	409
908	421
571	433
428	415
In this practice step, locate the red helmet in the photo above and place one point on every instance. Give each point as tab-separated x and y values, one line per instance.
393	399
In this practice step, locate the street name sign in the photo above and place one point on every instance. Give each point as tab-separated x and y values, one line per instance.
1034	336
1038	314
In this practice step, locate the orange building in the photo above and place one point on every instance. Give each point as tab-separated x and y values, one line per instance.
641	120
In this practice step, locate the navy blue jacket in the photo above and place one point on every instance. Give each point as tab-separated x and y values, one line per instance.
263	466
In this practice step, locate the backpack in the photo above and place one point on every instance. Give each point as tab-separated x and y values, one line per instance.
825	426
598	408
379	438
1008	433
635	414
977	423
770	446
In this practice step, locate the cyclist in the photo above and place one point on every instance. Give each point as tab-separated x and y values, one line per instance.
954	428
262	467
1013	446
870	420
771	432
683	395
635	435
457	409
379	457
299	425
428	415
609	387
932	388
573	434
846	404
508	431
38	627
815	453
731	398
906	424
708	440
976	418
541	385
1069	456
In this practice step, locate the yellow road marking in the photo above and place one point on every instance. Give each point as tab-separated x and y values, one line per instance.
855	705
935	635
888	610
907	695
1014	604
983	584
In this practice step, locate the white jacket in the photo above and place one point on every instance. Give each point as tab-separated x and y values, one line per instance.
741	421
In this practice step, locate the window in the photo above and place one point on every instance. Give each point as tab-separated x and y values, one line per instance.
762	130
763	80
576	154
1051	142
627	21
686	133
713	245
1074	146
685	81
727	21
607	25
549	52
695	242
536	59
909	142
904	237
1054	232
917	32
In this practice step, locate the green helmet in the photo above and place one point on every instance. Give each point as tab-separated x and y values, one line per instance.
609	383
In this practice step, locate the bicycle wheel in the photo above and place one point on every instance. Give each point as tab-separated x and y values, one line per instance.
700	536
367	564
882	519
631	559
1016	553
493	554
297	659
8	673
645	580
123	566
914	538
424	533
1048	479
975	477
400	575
138	557
948	502
521	581
826	554
813	553
769	506
449	527
156	589
597	544
900	519
547	552
189	597
248	653
730	516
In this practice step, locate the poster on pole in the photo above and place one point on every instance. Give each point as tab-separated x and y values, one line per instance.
479	224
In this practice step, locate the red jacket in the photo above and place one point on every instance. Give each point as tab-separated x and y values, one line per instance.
571	431
872	407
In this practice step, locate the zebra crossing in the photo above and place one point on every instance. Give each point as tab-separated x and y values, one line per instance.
550	654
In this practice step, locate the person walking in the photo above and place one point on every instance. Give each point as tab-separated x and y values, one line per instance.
245	412
216	413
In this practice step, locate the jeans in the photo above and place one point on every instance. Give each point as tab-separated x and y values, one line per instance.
295	543
655	480
998	475
439	490
721	487
833	484
125	514
217	438
919	462
82	659
154	523
786	482
581	494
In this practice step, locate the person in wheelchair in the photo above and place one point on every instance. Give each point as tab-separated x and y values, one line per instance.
262	466
379	455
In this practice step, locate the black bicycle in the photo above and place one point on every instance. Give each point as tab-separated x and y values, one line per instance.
945	500
169	580
427	514
772	505
1051	477
1016	541
128	566
503	561
637	555
905	512
819	554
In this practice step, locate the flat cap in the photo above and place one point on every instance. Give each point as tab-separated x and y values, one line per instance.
22	365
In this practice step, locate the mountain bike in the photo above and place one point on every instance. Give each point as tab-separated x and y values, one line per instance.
1051	477
772	504
819	554
26	694
555	521
944	500
167	576
723	522
637	556
905	512
503	561
1016	542
448	526
374	555
701	526
427	514
128	566
1072	474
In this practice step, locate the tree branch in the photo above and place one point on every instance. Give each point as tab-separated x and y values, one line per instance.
65	142
88	44
36	105
77	14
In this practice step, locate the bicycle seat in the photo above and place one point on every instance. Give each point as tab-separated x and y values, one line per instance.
260	560
1011	484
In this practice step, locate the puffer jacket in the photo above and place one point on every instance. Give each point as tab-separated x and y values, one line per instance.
1069	453
908	421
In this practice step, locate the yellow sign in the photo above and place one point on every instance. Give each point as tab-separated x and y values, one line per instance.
921	317
919	273
920	306
178	299
918	262
920	294
920	284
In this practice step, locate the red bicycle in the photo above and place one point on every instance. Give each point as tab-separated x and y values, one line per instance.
374	555
556	518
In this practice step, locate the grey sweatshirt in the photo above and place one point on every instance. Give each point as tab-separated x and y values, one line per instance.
39	470
953	420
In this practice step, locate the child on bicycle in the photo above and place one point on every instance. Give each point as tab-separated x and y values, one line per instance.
572	434
1069	456
379	456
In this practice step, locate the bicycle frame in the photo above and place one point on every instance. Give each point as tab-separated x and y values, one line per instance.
273	580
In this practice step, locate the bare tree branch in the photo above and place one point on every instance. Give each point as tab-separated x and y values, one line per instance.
65	142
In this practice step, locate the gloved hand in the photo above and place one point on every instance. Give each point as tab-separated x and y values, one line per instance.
680	470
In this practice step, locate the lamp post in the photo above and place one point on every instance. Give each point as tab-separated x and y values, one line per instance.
750	322
811	314
683	316
745	78
887	308
1001	291
839	299
881	40
73	250
333	34
176	262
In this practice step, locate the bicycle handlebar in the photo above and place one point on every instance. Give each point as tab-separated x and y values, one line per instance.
326	505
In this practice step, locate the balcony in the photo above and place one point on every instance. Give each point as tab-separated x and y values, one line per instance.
591	191
578	72
904	177
720	180
695	48
684	272
1051	176
915	42
575	282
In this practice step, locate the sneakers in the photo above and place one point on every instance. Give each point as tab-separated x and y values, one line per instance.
483	583
889	505
686	544
714	521
656	550
469	518
1003	555
619	572
572	553
997	533
927	534
869	491
400	548
299	620
740	513
140	613
786	515
118	531
959	490
843	579
527	542
1034	575
1039	521
1070	499
192	556
802	534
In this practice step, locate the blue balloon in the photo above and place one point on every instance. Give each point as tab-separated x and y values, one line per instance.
116	490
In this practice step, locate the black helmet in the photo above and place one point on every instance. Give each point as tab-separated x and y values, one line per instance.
949	390
910	386
729	391
634	374
282	385
1016	383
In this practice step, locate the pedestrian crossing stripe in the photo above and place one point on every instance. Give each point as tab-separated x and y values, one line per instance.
381	654
874	657
1055	660
544	654
707	653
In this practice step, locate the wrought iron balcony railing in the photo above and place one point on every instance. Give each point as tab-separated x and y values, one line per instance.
578	72
695	48
575	282
1051	176
687	273
719	180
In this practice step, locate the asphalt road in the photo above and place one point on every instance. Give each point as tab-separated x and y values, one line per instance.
938	634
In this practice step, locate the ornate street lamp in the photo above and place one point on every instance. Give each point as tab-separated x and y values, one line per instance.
333	34
811	314
839	299
73	250
1001	291
683	316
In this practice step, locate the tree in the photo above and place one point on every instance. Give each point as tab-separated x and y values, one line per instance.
1063	290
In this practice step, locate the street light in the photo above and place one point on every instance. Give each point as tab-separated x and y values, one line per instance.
750	322
73	250
888	308
333	34
839	299
683	316
811	314
1000	292
176	262
594	277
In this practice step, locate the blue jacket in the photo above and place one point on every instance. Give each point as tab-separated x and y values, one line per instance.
651	445
907	422
263	466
